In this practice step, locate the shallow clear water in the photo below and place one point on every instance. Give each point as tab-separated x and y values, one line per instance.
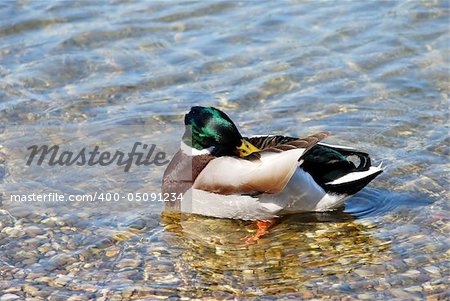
375	74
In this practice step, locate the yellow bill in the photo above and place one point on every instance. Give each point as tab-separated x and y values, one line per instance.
246	149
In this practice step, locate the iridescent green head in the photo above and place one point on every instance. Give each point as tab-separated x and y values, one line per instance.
210	128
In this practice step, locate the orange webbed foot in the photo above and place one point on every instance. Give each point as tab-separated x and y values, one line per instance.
263	227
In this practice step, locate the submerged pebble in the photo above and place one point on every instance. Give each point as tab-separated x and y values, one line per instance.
33	231
7	297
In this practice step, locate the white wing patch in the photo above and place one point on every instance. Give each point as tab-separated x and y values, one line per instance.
354	176
338	146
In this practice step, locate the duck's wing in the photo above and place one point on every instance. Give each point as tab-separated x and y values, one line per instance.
267	173
280	143
337	169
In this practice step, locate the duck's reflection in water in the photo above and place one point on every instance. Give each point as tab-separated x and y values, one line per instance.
297	252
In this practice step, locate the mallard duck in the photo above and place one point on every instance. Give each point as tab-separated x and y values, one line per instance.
222	174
